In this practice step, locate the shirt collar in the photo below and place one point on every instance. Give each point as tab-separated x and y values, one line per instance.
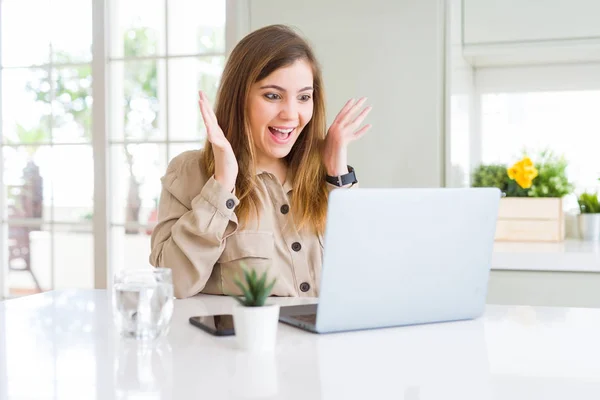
287	185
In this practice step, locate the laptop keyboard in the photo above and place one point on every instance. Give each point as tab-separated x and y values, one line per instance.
310	318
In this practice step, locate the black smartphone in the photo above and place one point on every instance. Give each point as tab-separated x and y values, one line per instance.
218	325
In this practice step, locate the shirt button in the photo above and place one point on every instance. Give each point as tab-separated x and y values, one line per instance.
285	209
230	203
304	287
296	246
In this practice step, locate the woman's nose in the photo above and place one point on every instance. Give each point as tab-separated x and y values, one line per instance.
289	110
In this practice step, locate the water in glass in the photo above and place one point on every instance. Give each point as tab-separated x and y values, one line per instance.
143	302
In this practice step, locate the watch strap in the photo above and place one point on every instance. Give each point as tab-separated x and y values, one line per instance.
343	180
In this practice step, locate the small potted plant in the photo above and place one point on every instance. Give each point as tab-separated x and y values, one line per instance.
255	322
589	219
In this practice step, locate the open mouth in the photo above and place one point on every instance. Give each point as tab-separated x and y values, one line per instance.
281	135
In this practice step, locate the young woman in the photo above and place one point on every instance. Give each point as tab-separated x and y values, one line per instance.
256	195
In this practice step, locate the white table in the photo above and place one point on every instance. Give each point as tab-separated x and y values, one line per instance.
61	345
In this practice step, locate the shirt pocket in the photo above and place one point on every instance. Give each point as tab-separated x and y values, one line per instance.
250	250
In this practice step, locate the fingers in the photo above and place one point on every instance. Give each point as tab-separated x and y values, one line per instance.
210	134
344	110
361	131
203	110
352	111
347	113
208	115
358	120
210	120
357	106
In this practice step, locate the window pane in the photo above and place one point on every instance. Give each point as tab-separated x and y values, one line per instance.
186	77
137	109
565	122
178	148
26	106
129	251
25	34
73	181
136	196
29	260
69	16
137	28
73	257
459	140
72	104
196	26
27	180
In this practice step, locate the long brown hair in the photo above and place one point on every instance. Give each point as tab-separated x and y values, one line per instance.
254	58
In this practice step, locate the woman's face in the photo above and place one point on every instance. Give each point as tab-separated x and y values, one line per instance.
280	106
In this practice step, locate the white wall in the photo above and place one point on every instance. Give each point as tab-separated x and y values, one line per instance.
392	52
493	21
527	32
538	78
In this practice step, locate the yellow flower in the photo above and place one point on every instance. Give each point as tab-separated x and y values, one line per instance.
526	162
524	183
512	172
523	172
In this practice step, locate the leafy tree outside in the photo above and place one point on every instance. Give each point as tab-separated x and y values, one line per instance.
72	105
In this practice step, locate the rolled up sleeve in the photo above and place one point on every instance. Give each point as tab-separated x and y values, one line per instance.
190	240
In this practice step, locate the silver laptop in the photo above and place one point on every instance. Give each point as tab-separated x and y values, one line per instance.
401	257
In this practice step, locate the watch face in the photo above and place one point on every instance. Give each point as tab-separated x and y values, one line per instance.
351	178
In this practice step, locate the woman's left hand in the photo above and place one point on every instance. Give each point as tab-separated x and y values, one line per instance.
341	133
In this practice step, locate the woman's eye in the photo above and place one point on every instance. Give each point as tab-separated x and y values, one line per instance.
272	96
305	97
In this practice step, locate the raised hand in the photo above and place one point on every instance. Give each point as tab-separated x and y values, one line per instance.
343	130
226	166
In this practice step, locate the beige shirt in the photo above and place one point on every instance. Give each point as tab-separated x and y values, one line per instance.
199	238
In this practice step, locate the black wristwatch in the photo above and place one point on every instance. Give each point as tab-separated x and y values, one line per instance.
343	180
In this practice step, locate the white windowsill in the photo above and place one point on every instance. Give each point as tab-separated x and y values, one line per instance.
572	255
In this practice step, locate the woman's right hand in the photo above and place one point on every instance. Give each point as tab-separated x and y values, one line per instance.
226	166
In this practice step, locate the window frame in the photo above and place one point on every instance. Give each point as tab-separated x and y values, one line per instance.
236	26
526	78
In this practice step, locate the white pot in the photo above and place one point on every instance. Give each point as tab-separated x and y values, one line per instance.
589	226
256	327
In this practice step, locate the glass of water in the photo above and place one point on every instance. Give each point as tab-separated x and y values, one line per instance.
143	302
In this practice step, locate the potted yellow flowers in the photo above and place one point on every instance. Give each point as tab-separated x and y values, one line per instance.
532	206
